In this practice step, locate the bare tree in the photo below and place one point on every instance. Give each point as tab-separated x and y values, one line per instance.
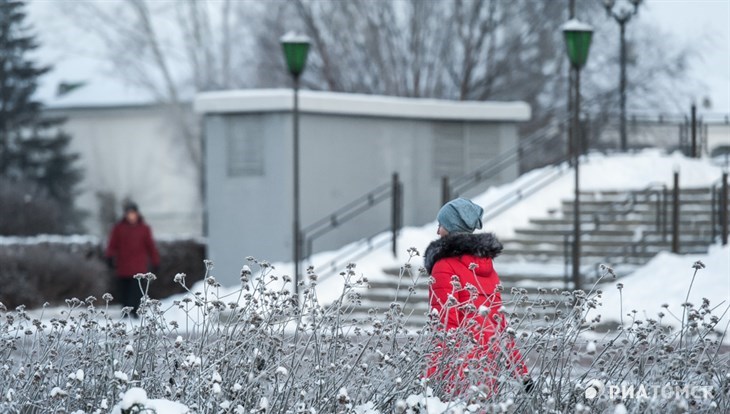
171	50
460	49
466	50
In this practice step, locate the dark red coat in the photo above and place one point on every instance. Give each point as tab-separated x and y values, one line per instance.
464	295
132	248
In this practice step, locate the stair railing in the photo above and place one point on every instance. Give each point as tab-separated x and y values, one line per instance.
720	213
389	191
357	251
503	203
452	188
659	192
378	240
375	241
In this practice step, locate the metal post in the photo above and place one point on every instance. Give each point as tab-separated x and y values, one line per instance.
566	246
664	213
296	237
624	141
658	211
675	214
714	213
576	206
724	209
445	190
569	154
693	153
395	212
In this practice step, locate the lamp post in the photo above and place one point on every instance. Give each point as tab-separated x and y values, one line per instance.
296	48
622	17
577	41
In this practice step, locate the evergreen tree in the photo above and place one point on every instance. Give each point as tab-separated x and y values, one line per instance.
33	149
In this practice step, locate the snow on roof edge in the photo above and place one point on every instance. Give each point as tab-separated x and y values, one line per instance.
265	100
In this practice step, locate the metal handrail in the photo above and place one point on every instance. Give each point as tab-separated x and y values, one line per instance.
349	210
716	214
482	172
338	262
658	189
354	209
491	211
508	200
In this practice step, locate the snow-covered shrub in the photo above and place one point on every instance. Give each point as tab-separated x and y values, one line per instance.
177	256
52	269
37	273
260	349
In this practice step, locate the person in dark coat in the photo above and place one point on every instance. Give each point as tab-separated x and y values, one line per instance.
131	250
464	295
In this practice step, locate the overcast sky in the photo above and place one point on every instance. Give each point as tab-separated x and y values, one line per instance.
704	22
708	21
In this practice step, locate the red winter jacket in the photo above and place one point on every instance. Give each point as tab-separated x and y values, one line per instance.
132	248
463	294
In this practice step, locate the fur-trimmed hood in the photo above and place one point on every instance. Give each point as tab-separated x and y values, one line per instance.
459	244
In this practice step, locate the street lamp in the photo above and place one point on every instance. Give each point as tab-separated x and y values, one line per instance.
622	17
577	41
296	48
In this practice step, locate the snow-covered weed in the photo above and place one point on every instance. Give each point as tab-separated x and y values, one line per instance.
263	350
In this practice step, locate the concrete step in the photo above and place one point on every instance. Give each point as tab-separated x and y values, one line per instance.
701	193
598	246
592	259
530	305
621	223
623	236
588	214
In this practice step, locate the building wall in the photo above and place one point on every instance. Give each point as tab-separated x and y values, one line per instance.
134	152
342	158
248	214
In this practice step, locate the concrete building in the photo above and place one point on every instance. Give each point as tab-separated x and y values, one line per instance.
349	145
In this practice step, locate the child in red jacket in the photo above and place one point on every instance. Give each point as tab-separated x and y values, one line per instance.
474	347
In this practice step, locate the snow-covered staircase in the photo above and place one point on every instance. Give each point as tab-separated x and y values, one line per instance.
621	229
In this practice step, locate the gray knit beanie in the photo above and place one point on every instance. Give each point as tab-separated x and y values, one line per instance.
460	216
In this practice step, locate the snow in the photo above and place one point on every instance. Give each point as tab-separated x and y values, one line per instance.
261	100
58	392
134	396
576	25
138	396
294	37
48	238
666	280
121	376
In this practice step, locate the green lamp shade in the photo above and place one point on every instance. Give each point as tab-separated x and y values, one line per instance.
577	41
296	48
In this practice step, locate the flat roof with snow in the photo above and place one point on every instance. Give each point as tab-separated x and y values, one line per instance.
272	100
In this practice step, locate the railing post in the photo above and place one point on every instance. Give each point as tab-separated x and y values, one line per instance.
658	211
724	209
694	131
675	214
395	212
714	213
445	190
566	261
664	213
